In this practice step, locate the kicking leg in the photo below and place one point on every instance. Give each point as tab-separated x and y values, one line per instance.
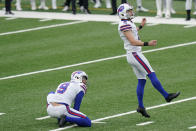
156	83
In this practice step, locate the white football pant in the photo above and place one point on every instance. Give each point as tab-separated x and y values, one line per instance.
168	8
54	4
139	63
58	111
188	4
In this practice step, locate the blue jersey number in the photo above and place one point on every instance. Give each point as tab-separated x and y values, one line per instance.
63	88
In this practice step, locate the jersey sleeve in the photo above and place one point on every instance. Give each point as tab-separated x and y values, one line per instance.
78	100
125	27
83	88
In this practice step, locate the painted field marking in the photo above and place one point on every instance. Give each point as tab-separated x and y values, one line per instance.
99	122
192	127
189	26
11	18
152	24
93	61
114	23
42	118
128	113
145	123
40	28
42	20
2	113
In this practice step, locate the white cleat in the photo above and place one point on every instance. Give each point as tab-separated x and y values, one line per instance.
66	8
97	5
159	15
82	8
18	8
33	8
194	13
167	16
45	8
173	11
40	7
142	9
54	7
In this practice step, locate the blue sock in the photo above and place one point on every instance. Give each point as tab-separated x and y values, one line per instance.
156	83
85	122
140	91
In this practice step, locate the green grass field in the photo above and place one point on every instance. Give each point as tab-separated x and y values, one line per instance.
112	84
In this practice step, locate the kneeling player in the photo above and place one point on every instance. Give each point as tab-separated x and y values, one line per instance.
59	102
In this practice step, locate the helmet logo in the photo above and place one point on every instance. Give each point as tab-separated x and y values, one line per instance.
77	72
121	9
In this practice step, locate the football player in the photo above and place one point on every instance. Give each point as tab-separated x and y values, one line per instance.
42	5
140	7
98	4
59	102
188	7
167	8
18	5
141	67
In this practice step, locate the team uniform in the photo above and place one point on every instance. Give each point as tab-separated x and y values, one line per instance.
168	6
66	94
135	58
141	67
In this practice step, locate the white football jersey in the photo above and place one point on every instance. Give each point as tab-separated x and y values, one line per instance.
128	25
66	92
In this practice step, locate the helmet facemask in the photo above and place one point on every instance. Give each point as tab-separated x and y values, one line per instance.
128	14
84	80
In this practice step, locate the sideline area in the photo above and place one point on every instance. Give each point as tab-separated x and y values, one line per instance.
94	17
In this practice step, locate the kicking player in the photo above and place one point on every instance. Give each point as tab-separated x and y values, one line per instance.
59	102
141	67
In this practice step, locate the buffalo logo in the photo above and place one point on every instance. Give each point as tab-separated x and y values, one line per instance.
120	9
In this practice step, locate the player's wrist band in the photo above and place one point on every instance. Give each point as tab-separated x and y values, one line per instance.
145	43
140	27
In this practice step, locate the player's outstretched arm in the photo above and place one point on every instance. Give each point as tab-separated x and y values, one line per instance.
134	42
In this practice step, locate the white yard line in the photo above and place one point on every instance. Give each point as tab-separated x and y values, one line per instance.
93	61
40	28
189	26
192	127
42	20
145	123
152	24
11	18
99	122
2	113
130	112
114	23
42	118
